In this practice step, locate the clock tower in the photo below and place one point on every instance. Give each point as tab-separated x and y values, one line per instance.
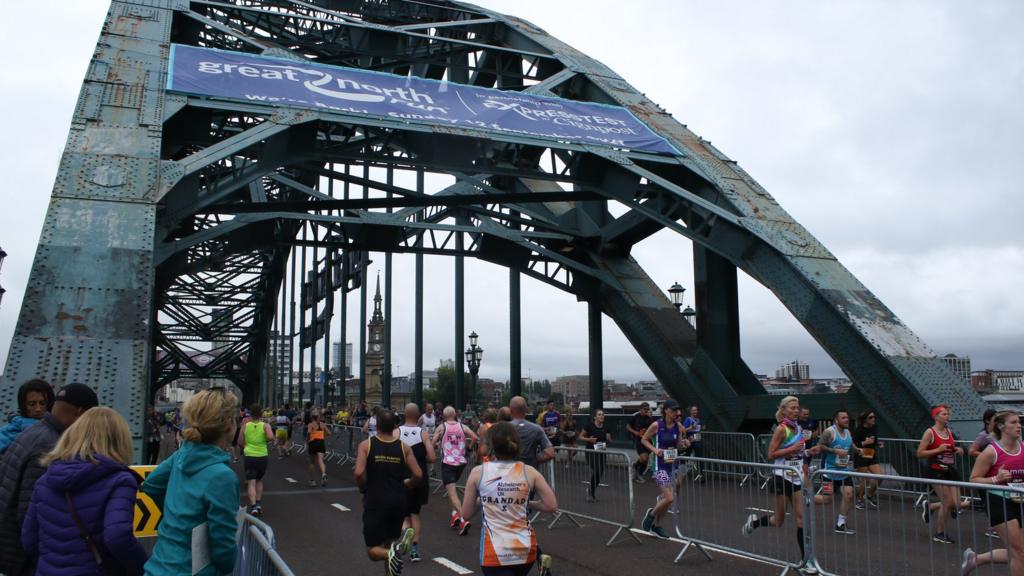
375	352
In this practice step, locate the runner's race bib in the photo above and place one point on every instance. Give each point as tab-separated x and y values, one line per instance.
791	474
600	446
1015	496
867	453
695	437
842	461
945	459
670	455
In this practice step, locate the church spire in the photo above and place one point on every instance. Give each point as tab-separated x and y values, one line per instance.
378	315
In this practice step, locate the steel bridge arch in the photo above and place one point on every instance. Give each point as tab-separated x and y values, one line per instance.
163	199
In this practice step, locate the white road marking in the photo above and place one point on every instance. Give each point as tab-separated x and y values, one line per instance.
453	566
340	507
290	480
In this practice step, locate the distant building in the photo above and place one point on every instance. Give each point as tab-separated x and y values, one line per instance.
617	392
960	365
988	381
280	361
651	390
336	357
795	371
490	391
574	389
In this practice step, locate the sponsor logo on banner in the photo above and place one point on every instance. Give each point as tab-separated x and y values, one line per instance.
247	77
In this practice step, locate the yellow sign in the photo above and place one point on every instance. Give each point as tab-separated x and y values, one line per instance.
147	514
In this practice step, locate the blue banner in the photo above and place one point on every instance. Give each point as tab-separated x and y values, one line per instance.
239	76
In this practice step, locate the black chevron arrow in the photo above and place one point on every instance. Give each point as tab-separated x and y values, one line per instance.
145	514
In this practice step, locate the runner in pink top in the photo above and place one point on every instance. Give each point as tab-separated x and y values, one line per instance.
1002	463
452	437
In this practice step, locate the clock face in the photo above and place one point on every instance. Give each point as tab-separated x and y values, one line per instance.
376	347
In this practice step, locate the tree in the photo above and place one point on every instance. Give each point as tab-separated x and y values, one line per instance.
443	389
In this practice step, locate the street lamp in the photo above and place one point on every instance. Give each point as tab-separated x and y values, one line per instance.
474	354
690	315
676	293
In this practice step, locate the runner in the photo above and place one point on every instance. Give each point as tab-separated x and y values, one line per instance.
637	426
664	438
428	421
938	445
415	437
370	425
452	437
787	448
1002	462
550	420
693	426
254	441
809	428
490	417
837	444
865	458
315	448
508	544
385	470
985	436
534	447
281	425
595	438
239	420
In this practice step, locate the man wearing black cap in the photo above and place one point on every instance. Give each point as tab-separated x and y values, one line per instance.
20	468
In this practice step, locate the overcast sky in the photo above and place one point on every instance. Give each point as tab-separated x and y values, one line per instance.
892	130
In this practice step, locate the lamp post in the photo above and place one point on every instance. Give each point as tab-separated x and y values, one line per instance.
474	354
689	314
676	293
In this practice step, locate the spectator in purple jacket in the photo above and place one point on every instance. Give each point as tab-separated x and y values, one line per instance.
79	520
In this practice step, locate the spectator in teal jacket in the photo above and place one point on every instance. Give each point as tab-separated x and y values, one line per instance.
198	492
35	398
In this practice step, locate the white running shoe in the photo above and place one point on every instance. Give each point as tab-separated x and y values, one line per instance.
748	526
969	563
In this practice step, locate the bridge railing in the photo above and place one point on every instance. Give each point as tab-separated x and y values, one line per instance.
593	485
256	553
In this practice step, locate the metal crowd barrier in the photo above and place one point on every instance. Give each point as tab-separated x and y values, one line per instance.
733	446
343	444
593	485
893	539
256	554
709	516
898	457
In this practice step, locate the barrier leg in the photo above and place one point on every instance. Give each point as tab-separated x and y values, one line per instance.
559	516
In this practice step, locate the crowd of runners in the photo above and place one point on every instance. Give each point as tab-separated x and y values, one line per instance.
63	446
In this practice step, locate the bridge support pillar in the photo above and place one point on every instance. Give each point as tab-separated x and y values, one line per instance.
460	325
515	347
596	357
418	329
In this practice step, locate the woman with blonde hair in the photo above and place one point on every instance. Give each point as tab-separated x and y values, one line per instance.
786	450
81	512
198	492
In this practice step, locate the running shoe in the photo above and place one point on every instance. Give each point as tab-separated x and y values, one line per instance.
648	520
545	565
659	532
969	563
394	563
312	483
926	512
463	527
748	526
842	529
453	522
323	480
414	553
404	542
873	501
859	504
941	538
991	533
257	510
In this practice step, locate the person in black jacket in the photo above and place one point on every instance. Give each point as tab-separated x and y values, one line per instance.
20	469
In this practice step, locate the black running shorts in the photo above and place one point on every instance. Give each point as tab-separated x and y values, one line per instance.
1002	510
255	467
382	525
451	474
